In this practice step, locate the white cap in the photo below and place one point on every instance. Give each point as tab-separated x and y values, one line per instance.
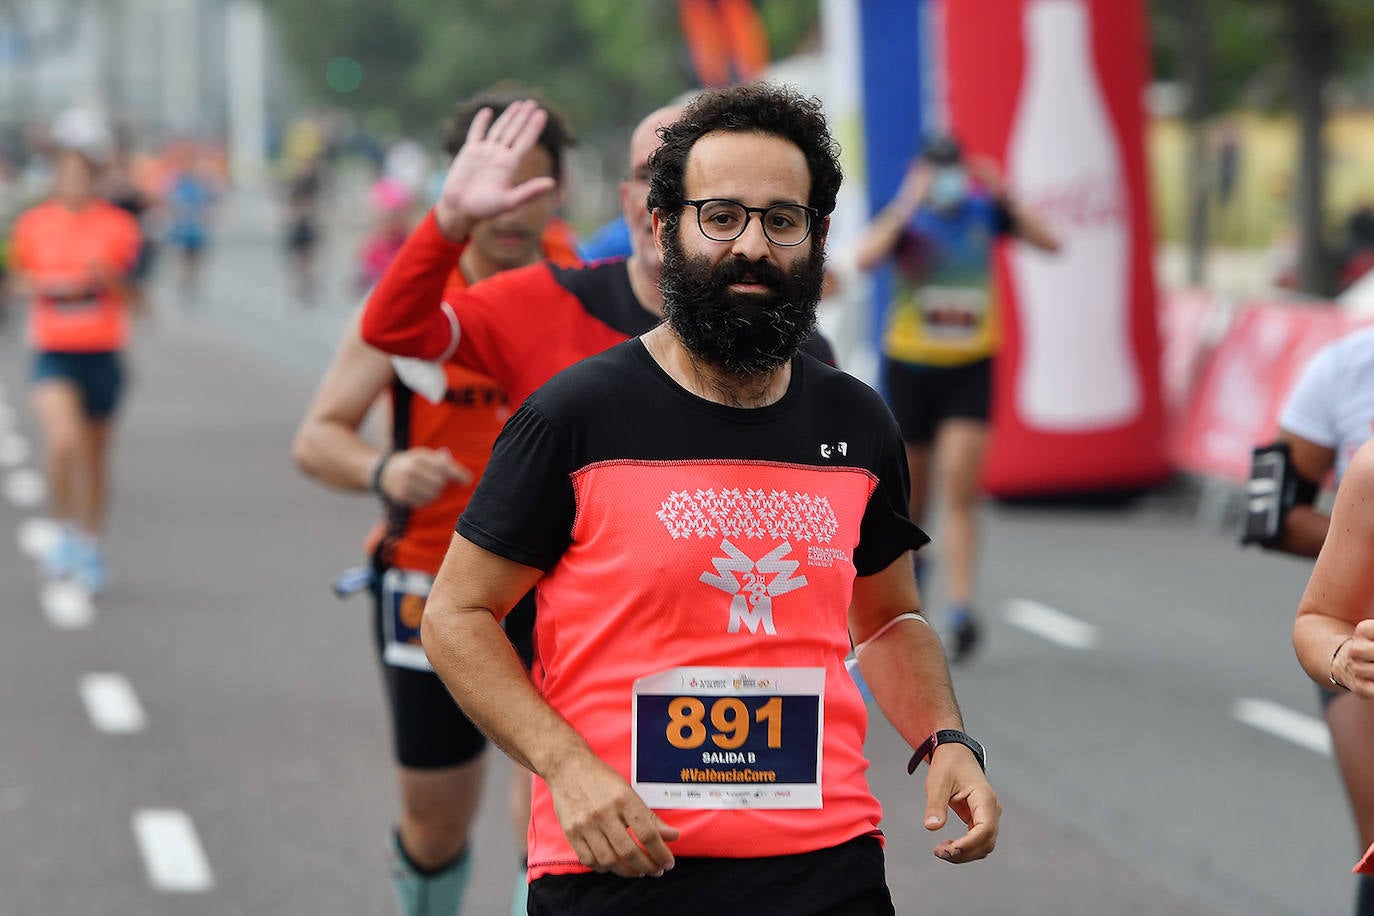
84	130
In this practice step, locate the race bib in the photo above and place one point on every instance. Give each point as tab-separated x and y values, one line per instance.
403	604
729	738
77	300
952	312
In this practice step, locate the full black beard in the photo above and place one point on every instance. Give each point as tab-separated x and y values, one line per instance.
740	334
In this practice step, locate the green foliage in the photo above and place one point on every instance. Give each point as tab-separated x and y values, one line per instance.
603	63
1249	45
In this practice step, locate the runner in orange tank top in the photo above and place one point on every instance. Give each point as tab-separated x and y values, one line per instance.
444	419
73	256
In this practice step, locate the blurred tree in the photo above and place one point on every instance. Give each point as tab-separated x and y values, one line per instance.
1222	51
601	63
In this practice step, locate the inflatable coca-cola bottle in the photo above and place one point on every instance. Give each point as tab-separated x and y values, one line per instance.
1076	369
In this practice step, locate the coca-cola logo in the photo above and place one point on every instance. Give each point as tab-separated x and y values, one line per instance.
1083	202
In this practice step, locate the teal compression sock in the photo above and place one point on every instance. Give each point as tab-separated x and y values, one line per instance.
429	891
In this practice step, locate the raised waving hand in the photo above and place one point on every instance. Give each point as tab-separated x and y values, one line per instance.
478	184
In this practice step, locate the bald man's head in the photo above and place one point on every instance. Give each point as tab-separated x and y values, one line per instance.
634	190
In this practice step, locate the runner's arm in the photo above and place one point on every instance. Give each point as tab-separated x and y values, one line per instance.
462	636
1333	635
405	314
879	238
1020	222
905	668
328	446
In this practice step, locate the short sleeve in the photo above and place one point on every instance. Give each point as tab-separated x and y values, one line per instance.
128	241
523	506
886	531
21	244
1307	412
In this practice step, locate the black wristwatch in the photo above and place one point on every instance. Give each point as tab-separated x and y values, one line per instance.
948	736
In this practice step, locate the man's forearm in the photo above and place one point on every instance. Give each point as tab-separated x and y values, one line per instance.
880	236
477	663
906	670
335	455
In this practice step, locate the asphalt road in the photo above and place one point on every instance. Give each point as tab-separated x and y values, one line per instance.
1132	693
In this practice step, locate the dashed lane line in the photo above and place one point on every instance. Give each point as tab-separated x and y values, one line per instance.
1282	722
67	605
37	536
14	449
1048	623
25	488
112	704
172	854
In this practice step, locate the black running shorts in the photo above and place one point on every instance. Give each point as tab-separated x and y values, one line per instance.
428	729
923	397
844	880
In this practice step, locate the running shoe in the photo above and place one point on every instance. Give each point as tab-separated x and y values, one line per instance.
61	558
965	633
89	570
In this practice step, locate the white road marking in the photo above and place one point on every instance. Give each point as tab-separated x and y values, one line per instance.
14	449
1282	722
1048	623
172	854
67	605
37	536
25	488
112	704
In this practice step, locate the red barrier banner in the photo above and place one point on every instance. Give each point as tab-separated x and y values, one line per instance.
1245	382
1052	89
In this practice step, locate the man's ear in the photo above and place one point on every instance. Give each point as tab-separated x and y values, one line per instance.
824	230
660	227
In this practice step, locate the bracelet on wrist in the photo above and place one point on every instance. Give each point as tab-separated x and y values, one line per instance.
375	484
1331	675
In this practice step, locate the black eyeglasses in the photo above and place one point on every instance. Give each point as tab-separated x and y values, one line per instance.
724	220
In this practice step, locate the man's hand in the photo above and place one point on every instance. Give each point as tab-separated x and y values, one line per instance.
987	173
417	476
1354	662
609	826
478	184
956	781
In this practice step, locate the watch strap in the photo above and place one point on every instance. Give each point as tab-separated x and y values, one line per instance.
948	736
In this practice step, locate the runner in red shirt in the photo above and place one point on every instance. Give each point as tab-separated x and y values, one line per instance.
525	325
443	423
73	256
708	517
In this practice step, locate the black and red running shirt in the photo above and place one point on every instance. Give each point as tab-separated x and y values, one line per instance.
682	537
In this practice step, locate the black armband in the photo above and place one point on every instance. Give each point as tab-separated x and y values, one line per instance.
1273	489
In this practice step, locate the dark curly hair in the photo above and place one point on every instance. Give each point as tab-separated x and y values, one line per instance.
556	136
762	108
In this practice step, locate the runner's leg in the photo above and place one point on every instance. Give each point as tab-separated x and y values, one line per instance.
1351	721
959	448
56	404
94	465
437	810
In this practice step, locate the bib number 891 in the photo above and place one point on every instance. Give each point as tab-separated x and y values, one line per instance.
729	717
